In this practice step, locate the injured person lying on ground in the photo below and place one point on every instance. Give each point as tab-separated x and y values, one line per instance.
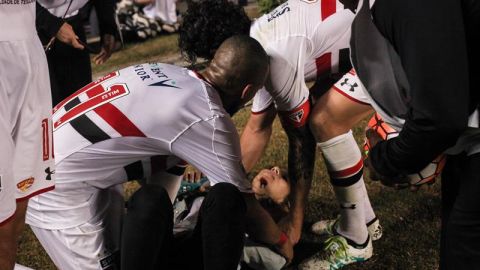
271	187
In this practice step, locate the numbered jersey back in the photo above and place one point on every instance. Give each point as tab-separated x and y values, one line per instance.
151	101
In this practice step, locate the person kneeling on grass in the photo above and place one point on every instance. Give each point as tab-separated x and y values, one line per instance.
139	122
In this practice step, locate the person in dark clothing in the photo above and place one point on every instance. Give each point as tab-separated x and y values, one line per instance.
70	66
53	26
215	243
192	227
427	54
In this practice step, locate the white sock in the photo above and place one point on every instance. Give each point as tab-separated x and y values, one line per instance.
369	213
345	167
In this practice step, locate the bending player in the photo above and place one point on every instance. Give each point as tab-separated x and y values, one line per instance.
306	41
111	129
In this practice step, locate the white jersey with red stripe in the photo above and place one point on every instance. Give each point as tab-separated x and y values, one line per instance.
17	19
306	40
148	110
106	133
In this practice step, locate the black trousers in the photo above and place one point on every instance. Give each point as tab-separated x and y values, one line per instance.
460	234
69	68
215	244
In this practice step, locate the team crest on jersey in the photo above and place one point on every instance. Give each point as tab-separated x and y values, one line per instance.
297	116
25	184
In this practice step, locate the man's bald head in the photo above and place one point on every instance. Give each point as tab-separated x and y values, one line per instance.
240	60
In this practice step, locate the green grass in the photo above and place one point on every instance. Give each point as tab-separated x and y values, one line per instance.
161	49
411	221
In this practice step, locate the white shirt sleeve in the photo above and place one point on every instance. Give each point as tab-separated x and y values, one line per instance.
287	76
213	147
261	101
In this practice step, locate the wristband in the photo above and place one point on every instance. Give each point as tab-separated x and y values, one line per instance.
283	239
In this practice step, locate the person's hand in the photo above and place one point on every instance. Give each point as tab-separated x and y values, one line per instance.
399	182
286	250
192	174
293	231
108	45
66	35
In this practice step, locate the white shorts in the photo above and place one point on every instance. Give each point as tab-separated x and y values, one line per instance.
75	202
26	156
351	87
78	224
92	245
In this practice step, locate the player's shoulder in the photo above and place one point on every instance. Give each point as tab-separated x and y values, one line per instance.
160	76
153	71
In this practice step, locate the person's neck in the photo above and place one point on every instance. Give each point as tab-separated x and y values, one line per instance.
214	79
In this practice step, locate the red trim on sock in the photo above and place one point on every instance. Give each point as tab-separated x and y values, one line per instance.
348	171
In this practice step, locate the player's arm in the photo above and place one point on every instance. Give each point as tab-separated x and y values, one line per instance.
50	27
47	23
287	87
108	28
255	136
262	228
301	158
438	79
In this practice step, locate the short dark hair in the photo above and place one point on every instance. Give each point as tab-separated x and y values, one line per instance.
206	24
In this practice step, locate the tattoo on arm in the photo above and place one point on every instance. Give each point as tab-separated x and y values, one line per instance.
301	158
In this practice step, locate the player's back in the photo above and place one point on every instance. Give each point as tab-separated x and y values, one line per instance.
302	31
126	116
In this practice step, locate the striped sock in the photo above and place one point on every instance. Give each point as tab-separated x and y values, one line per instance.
345	167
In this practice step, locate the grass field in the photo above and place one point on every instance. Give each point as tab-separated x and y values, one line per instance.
411	221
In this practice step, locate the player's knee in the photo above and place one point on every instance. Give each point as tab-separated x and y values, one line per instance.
319	121
225	198
150	201
324	125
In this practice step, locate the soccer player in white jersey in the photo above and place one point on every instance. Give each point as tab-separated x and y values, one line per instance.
143	118
26	156
306	41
